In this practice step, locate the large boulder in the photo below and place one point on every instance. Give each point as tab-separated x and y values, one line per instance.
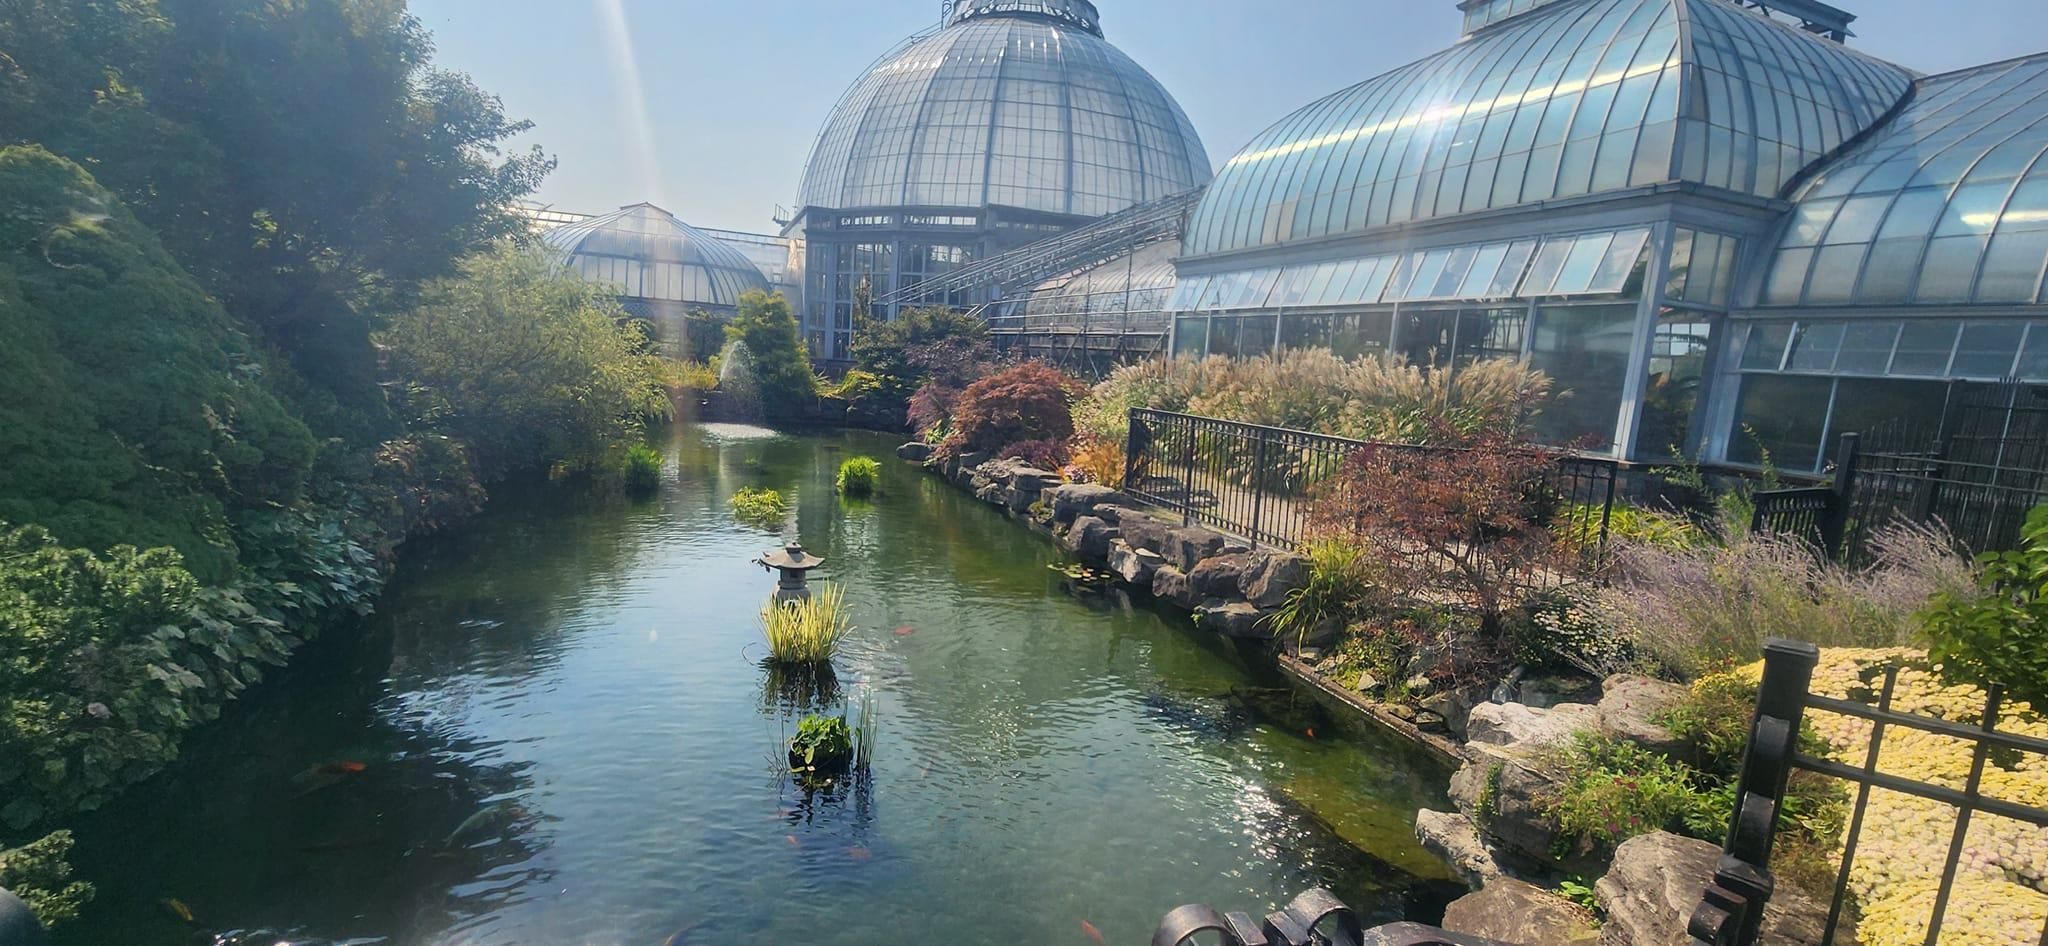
1523	727
1026	486
1135	566
1452	836
916	451
1655	882
1270	575
1513	911
1189	545
1630	705
1146	531
1089	538
1232	619
1170	584
1217	576
1075	500
1507	795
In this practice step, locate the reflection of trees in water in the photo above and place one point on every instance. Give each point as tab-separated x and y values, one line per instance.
252	834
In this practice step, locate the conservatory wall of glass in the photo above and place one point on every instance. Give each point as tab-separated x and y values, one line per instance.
1014	121
660	267
1722	234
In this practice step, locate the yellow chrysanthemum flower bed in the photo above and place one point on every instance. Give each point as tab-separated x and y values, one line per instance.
1998	897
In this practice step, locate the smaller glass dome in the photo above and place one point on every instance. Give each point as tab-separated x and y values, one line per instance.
644	252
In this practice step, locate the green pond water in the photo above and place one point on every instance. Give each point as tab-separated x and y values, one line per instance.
566	735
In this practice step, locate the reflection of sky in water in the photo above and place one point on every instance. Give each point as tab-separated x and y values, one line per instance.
588	672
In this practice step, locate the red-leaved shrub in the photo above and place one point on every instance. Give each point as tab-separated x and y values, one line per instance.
931	407
1469	522
1027	401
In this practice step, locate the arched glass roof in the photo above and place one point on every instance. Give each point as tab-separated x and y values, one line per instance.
1139	281
1948	204
1015	103
1575	98
646	253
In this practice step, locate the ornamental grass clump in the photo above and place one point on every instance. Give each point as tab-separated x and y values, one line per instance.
806	631
858	476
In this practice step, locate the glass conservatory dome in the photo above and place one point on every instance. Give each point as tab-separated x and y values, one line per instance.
1566	99
1015	103
646	253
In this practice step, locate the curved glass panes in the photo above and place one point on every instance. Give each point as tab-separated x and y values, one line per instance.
644	252
1948	205
1142	281
1584	264
1005	107
1941	349
1764	100
1570	99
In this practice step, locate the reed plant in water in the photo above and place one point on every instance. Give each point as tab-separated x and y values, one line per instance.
806	631
858	475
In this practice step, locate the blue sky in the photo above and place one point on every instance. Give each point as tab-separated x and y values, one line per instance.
735	91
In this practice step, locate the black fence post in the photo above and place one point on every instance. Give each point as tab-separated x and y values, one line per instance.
1137	440
1731	909
1187	476
1258	484
1835	525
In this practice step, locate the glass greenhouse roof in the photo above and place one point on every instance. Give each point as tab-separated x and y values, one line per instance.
1568	265
1577	97
1008	105
646	253
1140	281
1949	204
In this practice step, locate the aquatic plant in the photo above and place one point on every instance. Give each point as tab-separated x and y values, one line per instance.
807	630
822	749
865	730
761	507
858	476
641	469
39	872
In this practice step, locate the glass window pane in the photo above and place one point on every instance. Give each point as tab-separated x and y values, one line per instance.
1987	349
1834	274
1624	258
2034	360
1579	267
1190	335
1949	269
1367	288
1788	277
1924	348
1974	209
1585	350
1681	262
1783	416
1512	268
1455	270
1810	223
1867	347
1814	346
1857	222
1485	266
1866	406
1426	274
1915	213
1889	275
2012	269
1678	361
1543	272
1765	350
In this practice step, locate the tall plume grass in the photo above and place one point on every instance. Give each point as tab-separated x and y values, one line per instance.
807	631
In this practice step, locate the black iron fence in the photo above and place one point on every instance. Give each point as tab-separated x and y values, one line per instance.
1975	473
1262	483
1731	909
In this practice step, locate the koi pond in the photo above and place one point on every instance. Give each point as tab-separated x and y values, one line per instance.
558	729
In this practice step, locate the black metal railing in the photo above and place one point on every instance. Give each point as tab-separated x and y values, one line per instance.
1731	909
1262	483
1315	918
1975	474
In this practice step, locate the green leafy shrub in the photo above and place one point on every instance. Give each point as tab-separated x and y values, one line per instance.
934	345
1563	629
809	630
133	409
531	366
39	872
761	507
1998	632
858	476
856	384
822	749
1028	401
1580	526
782	370
1612	790
641	469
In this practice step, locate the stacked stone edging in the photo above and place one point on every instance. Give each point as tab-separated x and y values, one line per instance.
1229	587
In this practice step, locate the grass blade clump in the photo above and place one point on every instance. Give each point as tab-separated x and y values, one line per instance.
641	470
858	476
806	631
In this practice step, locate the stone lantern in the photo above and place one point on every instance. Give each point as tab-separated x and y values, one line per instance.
794	564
